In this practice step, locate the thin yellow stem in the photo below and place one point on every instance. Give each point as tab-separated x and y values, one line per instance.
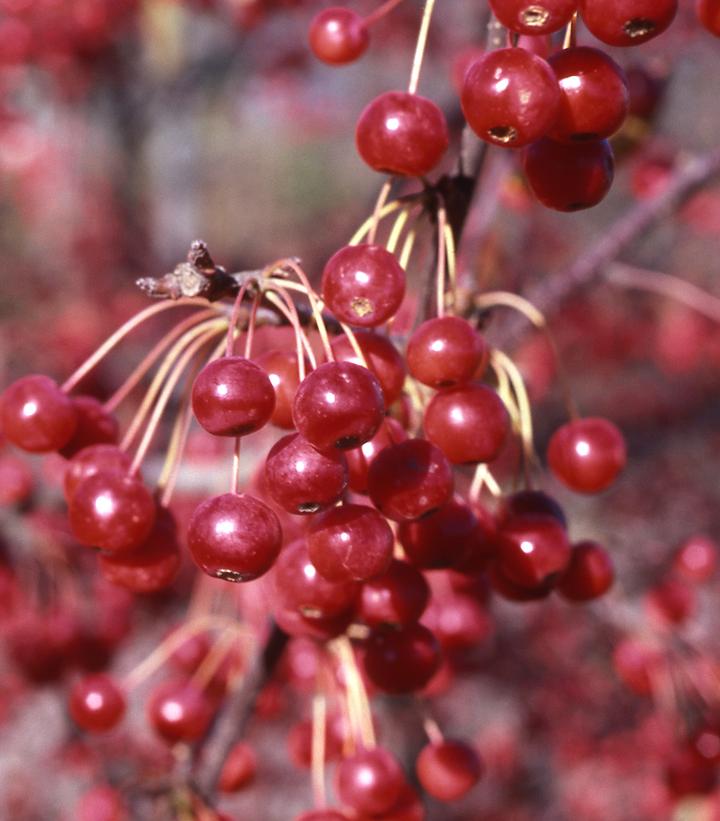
235	475
481	478
407	249
382	197
440	272
420	47
319	729
363	230
397	229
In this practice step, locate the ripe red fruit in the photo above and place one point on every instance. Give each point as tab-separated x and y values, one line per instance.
708	11
511	591
95	426
91	460
179	711
102	803
112	511
16	480
239	768
96	703
402	133
627	22
398	597
235	537
338	36
232	396
36	415
696	559
589	575
350	542
282	370
382	357
569	177
510	97
445	351
448	769
401	659
370	781
534	17
532	501
409	479
458	621
442	538
302	479
532	549
637	665
594	94
340	405
469	423
587	454
363	285
359	459
295	624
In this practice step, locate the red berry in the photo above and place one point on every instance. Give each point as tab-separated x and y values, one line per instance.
95	426
672	601
511	591
302	479
338	36
103	803
295	624
534	16
36	415
442	538
235	537
363	285
239	768
638	665
696	559
409	479
338	405
350	542
708	11
16	480
370	781
569	177
402	133
594	94
232	396
401	659
382	357
91	460
96	704
398	597
458	621
589	575
179	711
112	511
448	769
445	351
282	370
532	501
300	737
469	423
532	549
587	454
359	459
627	22
510	97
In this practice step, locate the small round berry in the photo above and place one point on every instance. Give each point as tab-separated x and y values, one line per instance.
448	769
92	460
409	479
359	459
469	423
587	454
232	396
627	22
96	704
510	97
282	370
532	550
445	351
708	12
398	597
350	542
36	415
112	511
102	803
95	426
589	575
363	285
382	357
302	479
234	537
532	501
239	768
638	664
338	36
179	711
569	177
340	405
370	781
440	539
293	623
401	659
402	133
696	559
508	589
534	17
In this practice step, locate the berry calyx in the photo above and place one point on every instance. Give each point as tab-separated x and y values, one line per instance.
534	17
338	36
629	22
35	415
587	454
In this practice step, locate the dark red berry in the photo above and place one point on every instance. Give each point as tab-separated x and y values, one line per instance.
587	454
534	17
638	665
363	285
235	537
96	703
239	768
532	549
569	177
590	573
338	36
359	459
293	623
232	396
445	351
627	22
370	781
510	97
401	659
92	460
409	479
469	423
448	769
442	538
398	597
696	559
382	357
532	501
95	426
402	133
36	415
282	370
340	405
708	12
179	711
508	589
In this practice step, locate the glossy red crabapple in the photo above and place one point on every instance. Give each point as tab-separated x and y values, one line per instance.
398	597
589	575
363	285
338	36
587	454
569	176
370	781
627	22
448	769
91	460
696	559
534	17
232	396
445	351
401	659
179	711
382	358
35	415
282	370
359	459
402	133
532	549
441	538
96	703
235	537
95	426
510	97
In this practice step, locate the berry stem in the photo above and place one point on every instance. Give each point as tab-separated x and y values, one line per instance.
356	693
432	730
235	475
570	36
319	729
440	268
363	230
290	312
397	229
481	478
381	200
234	317
420	47
176	448
381	11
